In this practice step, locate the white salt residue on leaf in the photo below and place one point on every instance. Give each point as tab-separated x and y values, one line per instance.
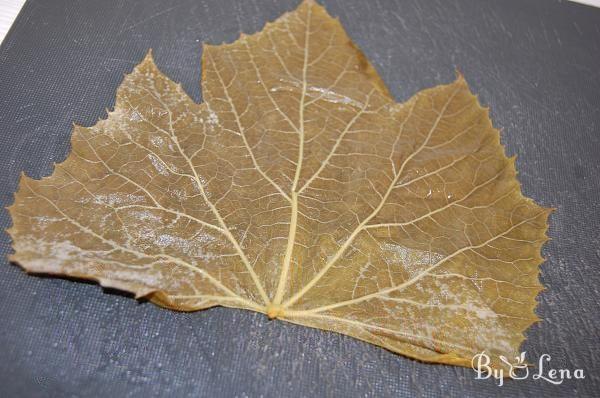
137	277
480	311
135	116
411	260
332	96
213	119
158	165
55	253
145	215
195	247
42	221
157	141
117	198
179	194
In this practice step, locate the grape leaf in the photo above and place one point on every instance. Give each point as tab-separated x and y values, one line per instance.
300	189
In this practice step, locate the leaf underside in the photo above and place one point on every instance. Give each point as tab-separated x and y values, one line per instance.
300	189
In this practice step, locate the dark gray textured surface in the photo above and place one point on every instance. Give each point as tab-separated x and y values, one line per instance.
536	63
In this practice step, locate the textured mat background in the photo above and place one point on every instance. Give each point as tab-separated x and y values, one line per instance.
535	62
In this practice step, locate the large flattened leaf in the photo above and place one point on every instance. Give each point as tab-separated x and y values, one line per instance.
299	188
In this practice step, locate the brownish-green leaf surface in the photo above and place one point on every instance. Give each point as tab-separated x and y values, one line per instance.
299	188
